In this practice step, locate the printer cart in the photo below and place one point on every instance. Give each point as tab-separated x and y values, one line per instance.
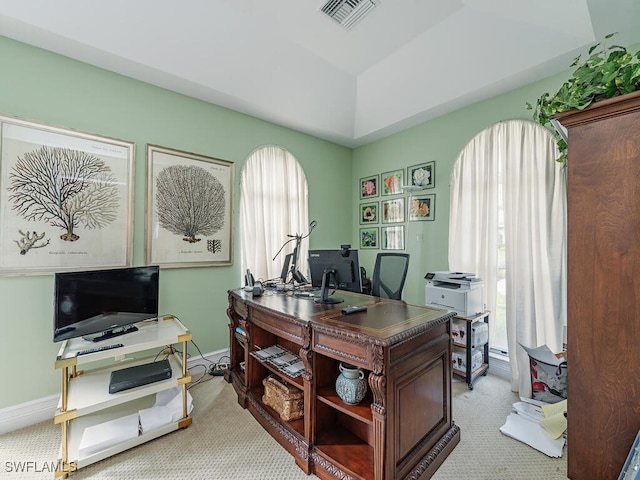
470	353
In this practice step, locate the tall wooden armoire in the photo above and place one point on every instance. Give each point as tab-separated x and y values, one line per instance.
603	298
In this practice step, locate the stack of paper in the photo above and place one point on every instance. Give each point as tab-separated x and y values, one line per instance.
530	432
555	418
166	410
104	435
539	425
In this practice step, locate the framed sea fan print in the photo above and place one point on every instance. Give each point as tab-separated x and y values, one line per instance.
189	209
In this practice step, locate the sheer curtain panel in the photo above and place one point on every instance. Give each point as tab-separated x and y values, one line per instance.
514	161
273	204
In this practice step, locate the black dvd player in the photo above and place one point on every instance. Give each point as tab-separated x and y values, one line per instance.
138	375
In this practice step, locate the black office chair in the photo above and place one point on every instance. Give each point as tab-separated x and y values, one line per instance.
389	275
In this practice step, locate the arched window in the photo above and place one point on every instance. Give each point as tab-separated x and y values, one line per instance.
508	225
273	205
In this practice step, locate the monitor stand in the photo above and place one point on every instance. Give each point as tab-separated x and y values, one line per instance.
116	332
324	291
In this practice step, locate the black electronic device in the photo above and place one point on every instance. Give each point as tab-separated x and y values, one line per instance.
98	349
257	289
138	375
296	276
353	309
248	279
286	265
325	296
102	304
345	264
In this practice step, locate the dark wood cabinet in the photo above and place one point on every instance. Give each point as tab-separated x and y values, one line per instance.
603	297
402	429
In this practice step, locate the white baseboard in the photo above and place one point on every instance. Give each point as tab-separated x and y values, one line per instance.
43	409
499	365
28	413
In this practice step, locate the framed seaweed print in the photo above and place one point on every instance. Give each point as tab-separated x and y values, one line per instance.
392	182
422	176
369	237
393	210
368	213
369	187
189	209
66	199
392	237
422	207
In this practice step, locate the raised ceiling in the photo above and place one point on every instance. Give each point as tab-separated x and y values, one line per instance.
284	61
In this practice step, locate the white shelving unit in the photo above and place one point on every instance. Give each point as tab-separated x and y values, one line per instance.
85	400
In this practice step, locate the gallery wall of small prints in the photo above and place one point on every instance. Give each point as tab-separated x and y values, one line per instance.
384	209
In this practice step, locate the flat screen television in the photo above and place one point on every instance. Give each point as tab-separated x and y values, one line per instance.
345	266
101	304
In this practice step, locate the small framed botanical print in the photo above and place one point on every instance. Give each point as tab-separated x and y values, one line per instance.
422	207
368	213
393	210
369	187
392	182
393	238
369	237
422	176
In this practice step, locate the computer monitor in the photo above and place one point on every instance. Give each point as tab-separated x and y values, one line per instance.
345	264
285	267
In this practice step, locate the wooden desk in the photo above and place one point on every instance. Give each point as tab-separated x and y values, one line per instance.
402	429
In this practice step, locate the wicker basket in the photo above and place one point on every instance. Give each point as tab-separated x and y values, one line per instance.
286	400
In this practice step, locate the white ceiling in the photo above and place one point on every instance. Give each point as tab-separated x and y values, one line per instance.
283	61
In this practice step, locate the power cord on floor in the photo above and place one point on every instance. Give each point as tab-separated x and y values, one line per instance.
218	368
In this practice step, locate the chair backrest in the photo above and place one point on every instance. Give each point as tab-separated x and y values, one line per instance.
389	275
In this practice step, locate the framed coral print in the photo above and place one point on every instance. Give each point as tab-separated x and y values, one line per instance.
369	237
369	187
422	176
189	206
422	207
66	199
393	211
392	237
368	213
392	182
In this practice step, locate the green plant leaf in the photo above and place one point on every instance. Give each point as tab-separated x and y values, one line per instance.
609	71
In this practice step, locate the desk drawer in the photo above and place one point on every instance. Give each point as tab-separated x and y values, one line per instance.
349	350
285	329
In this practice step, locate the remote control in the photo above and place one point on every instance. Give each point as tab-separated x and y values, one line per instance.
353	309
99	349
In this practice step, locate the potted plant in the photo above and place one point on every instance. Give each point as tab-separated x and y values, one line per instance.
608	72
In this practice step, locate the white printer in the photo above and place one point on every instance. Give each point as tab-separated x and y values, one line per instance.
457	291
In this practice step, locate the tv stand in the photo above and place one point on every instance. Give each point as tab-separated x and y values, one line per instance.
86	404
116	332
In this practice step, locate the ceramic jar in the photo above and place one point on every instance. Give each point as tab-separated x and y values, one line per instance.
351	385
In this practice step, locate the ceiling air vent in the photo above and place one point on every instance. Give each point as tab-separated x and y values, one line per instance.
348	12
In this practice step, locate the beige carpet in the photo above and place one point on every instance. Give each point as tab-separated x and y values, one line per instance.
225	442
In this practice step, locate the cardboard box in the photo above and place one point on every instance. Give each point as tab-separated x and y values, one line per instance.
479	333
459	359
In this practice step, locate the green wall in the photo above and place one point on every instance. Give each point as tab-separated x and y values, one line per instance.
41	86
45	87
439	140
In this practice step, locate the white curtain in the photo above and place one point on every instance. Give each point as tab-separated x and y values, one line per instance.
534	201
273	205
